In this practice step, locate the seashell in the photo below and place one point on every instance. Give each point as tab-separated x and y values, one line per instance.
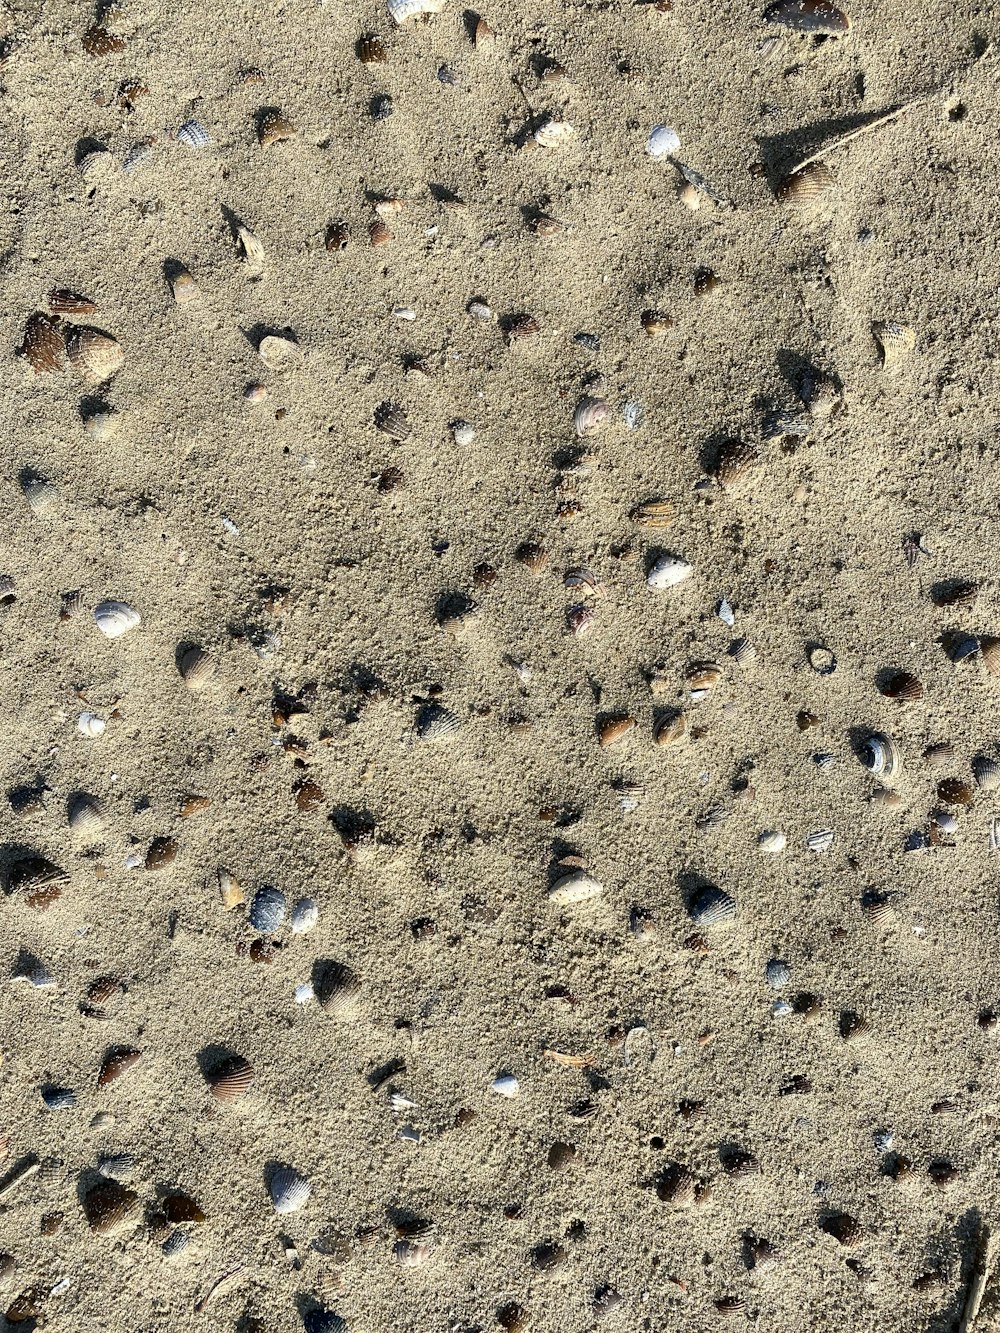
654	514
97	41
677	1186
513	1317
955	791
86	817
463	433
853	1026
231	1079
59	1099
606	1299
986	772
778	973
580	620
662	142
533	556
804	188
843	1228
668	572
740	1163
590	416
103	998
878	908
379	233
402	10
895	341
505	1085
267	911
230	889
730	1307
249	248
62	301
712	907
523	326
338	236
411	1253
820	840
939	755
819	18
95	356
880	755
109	1207
573	888
734	461
546	227
371	51
744	653
96	164
162	853
319	1320
305	914
706	282
436	723
561	1156
43	346
192	134
175	1243
289	1189
308	796
179	1208
902	686
340	991
182	285
960	593
547	1256
553	133
138	156
71	604
279	353
655	324
197	668
41	495
119	1166
772	842
960	647
89	724
391	420
39	881
118	1061
671	729
702	677
990	649
273	127
614	729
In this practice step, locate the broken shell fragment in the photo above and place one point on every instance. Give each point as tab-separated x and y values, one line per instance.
391	420
371	51
249	248
279	353
162	853
573	888
289	1190
804	188
818	18
114	619
62	301
338	237
273	127
38	881
182	285
590	416
95	356
403	10
230	889
896	342
668	572
40	493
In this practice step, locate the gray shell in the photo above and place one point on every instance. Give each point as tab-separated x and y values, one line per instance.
192	134
305	914
778	973
436	723
880	755
267	911
713	907
59	1099
289	1189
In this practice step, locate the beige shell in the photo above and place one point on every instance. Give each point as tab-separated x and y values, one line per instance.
230	889
590	416
677	1186
896	342
86	817
671	729
250	249
805	188
183	286
95	356
735	459
231	1079
702	677
197	668
279	353
656	515
575	887
42	495
554	133
273	127
989	649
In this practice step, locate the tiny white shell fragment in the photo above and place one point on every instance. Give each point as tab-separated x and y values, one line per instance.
463	432
553	133
480	310
114	619
726	614
304	993
576	887
505	1085
401	10
289	1189
89	724
639	1048
820	840
662	142
772	842
399	1103
305	914
133	861
633	412
668	571
404	312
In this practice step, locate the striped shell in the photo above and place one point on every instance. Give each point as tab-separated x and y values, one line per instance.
903	687
735	459
94	356
553	133
880	755
38	881
677	1186
339	991
192	134
267	911
114	619
119	1166
231	1079
371	51
713	907
590	416
575	887
843	1228
804	188
249	248
818	18
896	342
117	1062
654	514
391	420
41	494
820	840
989	647
289	1189
109	1207
43	347
671	729
97	41
197	668
319	1320
62	301
668	572
86	817
436	723
986	772
402	10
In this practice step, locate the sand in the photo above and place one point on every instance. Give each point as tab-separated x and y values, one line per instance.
259	530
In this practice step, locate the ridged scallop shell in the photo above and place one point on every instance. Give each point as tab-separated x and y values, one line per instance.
986	771
62	301
37	880
267	911
109	1207
323	1321
103	998
590	416
960	592
279	353
403	10
663	141
819	18
391	420
231	1079
843	1228
806	187
192	134
902	686
677	1186
735	459
119	1166
575	887
86	817
43	346
289	1189
820	840
668	572
853	1026
197	668
340	990
95	356
305	914
436	723
896	342
371	51
713	907
117	1062
41	494
990	650
273	127
880	755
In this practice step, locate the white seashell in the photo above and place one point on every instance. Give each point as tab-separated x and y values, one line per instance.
778	974
463	432
192	134
633	412
402	10
279	353
590	416
197	668
668	571
305	914
662	142
576	887
101	426
880	755
304	993
553	133
400	1104
986	772
86	817
289	1190
820	840
95	164
114	619
895	341
639	1047
994	835
436	723
404	312
505	1085
480	310
89	724
772	842
40	494
744	652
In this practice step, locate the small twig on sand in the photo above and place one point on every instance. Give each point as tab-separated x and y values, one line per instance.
977	1279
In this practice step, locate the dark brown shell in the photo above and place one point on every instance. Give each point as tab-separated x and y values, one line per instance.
162	852
62	301
178	1208
391	420
339	990
103	998
955	593
43	347
117	1062
804	188
26	1305
533	556
562	1156
110	1206
273	127
38	880
231	1079
739	1162
309	796
843	1228
371	51
97	41
903	686
338	237
819	18
734	461
512	1317
677	1186
522	326
379	233
955	791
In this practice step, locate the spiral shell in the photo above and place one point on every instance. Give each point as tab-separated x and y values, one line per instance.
880	755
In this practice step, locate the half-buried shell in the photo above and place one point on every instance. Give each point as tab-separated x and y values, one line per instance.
95	356
573	888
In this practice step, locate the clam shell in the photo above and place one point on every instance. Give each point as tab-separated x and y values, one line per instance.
250	249
668	572
505	1085
116	1063
231	1079
42	495
575	887
702	677
402	10
411	1253
677	1186
671	729
43	346
305	914
663	141
772	842
289	1189
192	134
95	356
279	353
614	729
230	889
162	853
436	723
713	907
197	668
267	911
654	514
820	840
86	817
730	1307
896	342
273	127
339	991
843	1228
987	772
554	133
109	1207
803	189
880	755
371	51
119	1166
62	301
735	459
590	416
391	420
819	18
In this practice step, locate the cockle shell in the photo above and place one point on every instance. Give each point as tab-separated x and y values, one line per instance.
671	729
109	1207
436	723
371	51
114	619
38	881
735	459
989	648
86	817
103	998
43	346
289	1189
819	18
803	189
119	1166
677	1186
192	134
987	772
339	991
41	494
590	416
575	887
197	668
713	907
273	127
896	342
902	686
843	1228
231	1079
279	353
267	911
553	133
662	142
402	10
391	420
319	1320
880	755
62	301
116	1063
668	572
95	356
772	842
